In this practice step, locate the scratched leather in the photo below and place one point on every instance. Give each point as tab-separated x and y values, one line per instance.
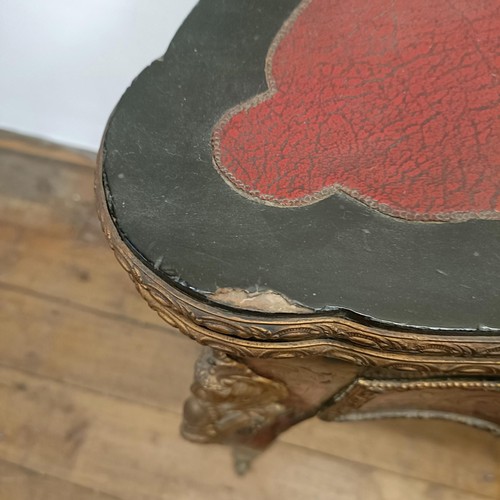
395	103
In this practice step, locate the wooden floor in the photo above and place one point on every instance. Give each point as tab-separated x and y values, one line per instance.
92	382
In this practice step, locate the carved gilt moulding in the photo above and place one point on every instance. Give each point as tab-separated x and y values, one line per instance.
241	335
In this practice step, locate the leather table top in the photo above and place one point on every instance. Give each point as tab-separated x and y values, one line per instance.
320	156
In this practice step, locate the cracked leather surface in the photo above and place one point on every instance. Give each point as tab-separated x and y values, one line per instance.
337	257
395	103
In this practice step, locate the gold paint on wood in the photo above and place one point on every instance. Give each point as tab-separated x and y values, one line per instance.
230	403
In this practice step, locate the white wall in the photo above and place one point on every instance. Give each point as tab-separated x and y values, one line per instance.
65	63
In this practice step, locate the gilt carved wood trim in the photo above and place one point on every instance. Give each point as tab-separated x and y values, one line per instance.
230	403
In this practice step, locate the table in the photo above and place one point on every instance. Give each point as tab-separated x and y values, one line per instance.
311	190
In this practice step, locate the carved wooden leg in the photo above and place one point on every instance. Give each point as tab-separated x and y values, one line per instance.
233	404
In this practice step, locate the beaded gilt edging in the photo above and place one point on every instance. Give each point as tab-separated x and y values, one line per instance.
349	404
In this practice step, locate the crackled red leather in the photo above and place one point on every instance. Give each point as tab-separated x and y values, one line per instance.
395	103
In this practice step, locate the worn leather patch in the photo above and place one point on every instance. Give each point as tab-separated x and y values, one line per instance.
395	103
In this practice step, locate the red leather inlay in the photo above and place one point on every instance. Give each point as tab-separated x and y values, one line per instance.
395	102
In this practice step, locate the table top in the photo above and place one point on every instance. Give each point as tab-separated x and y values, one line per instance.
320	157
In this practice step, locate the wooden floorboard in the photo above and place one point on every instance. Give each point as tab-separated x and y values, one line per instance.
92	382
20	483
133	451
39	148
